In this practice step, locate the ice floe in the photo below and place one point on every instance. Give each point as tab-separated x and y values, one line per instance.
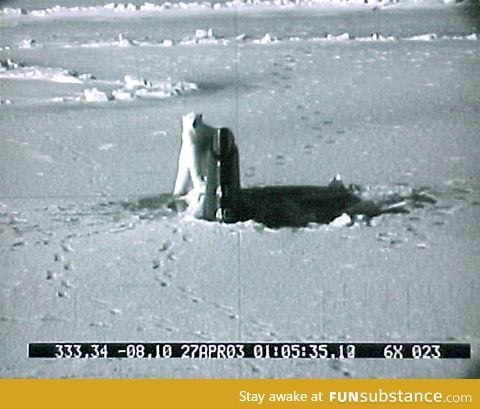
139	87
124	42
130	88
266	39
134	87
423	37
12	70
94	95
339	37
201	34
27	43
207	36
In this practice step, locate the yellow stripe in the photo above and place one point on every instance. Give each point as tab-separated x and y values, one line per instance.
232	394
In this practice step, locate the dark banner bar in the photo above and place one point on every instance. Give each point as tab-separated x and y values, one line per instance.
259	350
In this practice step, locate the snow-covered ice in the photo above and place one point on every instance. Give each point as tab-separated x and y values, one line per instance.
94	95
384	93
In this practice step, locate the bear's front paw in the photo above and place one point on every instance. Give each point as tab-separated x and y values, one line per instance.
200	185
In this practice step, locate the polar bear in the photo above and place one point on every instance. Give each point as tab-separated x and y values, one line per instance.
197	139
190	182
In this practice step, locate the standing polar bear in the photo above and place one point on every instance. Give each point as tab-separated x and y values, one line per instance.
197	139
208	162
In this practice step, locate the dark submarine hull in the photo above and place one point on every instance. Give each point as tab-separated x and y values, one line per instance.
273	206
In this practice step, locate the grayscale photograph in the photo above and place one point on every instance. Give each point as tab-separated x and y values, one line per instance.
239	189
